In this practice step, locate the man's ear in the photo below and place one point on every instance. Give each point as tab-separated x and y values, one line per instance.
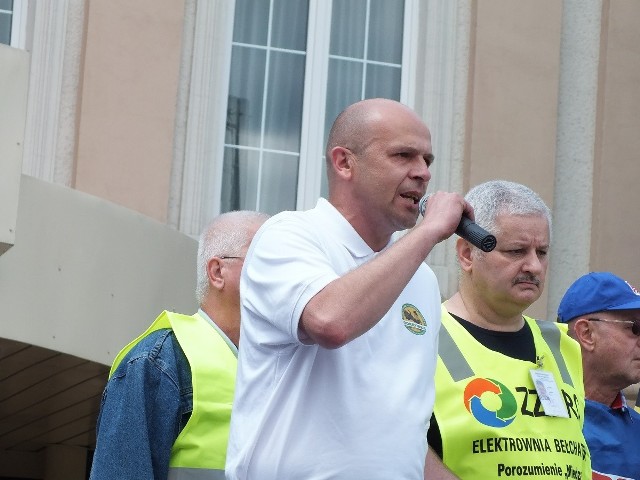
584	334
463	250
342	162
214	272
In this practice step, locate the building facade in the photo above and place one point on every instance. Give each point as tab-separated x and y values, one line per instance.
126	126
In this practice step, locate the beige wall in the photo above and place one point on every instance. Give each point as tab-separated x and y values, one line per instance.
128	101
616	197
514	96
127	113
130	84
515	93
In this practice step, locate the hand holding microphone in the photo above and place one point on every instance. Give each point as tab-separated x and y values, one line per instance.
469	230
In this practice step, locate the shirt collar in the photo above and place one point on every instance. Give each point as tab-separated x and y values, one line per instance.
206	317
334	221
619	402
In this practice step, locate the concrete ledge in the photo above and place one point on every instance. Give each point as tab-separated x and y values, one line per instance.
85	276
14	81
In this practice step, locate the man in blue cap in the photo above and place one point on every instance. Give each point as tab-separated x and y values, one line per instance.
603	313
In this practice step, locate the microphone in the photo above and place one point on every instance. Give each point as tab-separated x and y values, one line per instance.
469	230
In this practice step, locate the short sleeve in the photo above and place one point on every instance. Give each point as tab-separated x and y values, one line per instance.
285	267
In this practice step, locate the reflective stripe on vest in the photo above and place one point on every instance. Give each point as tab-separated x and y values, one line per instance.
182	473
200	450
551	335
459	368
452	357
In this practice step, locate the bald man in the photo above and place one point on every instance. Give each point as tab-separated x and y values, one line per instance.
338	340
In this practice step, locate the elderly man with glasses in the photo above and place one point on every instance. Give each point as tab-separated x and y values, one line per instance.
603	313
166	408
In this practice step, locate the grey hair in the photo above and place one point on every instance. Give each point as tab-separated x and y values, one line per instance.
226	235
496	197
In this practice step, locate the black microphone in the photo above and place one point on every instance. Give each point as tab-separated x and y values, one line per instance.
469	230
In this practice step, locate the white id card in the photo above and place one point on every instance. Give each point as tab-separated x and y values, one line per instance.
548	393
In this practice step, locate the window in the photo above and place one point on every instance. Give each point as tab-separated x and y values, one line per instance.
295	64
264	111
365	57
13	22
6	17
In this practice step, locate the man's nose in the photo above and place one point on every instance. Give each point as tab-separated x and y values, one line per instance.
421	171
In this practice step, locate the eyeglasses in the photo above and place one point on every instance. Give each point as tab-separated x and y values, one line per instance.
635	324
225	257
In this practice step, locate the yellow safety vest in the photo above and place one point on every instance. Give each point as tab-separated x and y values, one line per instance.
200	450
491	421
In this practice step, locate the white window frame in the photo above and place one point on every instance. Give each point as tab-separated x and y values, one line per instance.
313	111
316	75
19	16
198	169
202	99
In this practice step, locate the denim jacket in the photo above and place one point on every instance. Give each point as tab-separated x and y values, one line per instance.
145	405
147	402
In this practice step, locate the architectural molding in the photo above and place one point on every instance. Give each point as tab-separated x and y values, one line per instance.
442	100
182	110
205	76
69	96
51	133
575	146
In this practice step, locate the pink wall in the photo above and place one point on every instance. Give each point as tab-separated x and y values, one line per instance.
128	102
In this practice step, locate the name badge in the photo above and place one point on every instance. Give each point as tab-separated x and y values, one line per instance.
549	393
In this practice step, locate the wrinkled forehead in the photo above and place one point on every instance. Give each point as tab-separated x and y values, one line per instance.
530	226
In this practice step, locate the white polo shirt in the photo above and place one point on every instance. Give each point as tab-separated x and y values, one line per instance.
305	412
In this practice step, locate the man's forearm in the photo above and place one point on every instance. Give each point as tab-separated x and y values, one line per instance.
434	469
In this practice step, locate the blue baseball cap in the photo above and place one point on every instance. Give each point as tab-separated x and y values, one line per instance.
597	292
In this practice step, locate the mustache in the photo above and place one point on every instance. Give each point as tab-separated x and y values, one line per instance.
526	279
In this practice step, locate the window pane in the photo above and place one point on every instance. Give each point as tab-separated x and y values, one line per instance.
266	106
5	28
344	87
383	81
348	20
245	94
279	183
239	180
284	102
386	16
290	24
6	5
251	22
236	118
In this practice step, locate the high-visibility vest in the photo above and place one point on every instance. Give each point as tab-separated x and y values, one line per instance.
200	450
491	421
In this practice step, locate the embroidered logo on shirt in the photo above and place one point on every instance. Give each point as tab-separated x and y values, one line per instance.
413	319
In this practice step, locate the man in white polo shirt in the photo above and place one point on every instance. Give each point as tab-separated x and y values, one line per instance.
340	323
